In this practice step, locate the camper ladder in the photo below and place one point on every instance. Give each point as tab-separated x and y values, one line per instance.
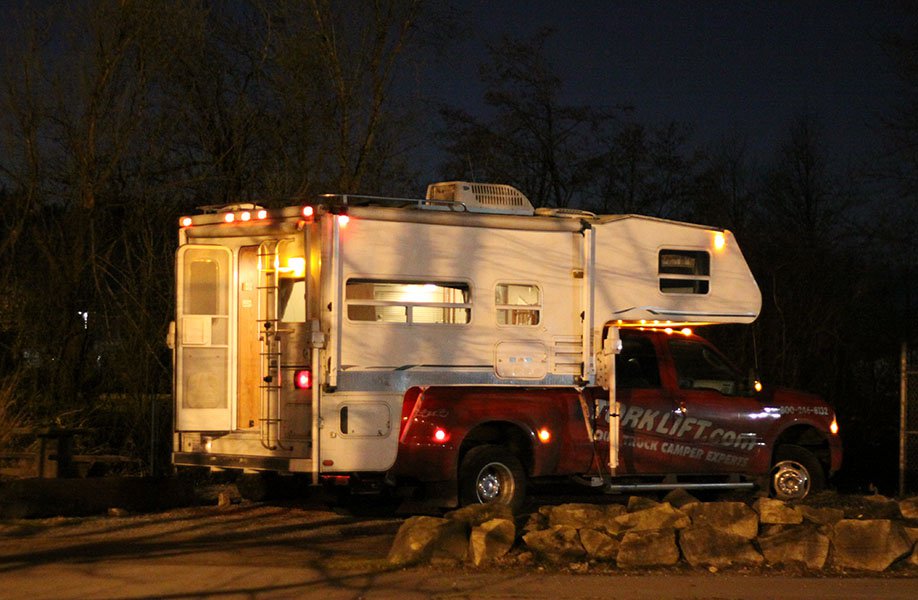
270	338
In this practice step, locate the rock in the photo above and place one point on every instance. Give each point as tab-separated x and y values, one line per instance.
821	516
869	545
598	545
117	512
637	503
224	500
777	512
419	537
729	517
703	545
679	498
536	522
797	544
660	516
558	543
476	514
490	540
912	560
909	507
912	533
577	515
648	549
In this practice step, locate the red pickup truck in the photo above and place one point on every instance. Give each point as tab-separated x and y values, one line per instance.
687	418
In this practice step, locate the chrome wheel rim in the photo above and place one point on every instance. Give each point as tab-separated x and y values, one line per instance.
791	480
494	483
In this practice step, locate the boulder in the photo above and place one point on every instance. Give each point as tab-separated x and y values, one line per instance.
536	522
869	545
598	545
679	498
476	514
796	545
660	516
821	516
577	515
637	503
558	543
490	540
419	537
912	533
909	507
777	512
648	549
730	517
703	545
912	560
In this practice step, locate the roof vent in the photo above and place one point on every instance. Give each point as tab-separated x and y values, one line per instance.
478	197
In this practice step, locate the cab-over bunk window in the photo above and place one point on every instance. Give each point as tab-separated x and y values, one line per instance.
684	271
411	302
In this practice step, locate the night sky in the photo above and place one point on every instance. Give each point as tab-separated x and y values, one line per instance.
721	67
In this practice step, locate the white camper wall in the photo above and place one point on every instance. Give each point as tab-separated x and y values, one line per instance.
628	278
479	257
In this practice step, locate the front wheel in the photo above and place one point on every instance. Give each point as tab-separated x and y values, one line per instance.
491	474
796	473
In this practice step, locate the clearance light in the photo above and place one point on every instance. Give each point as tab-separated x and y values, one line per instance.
185	222
757	386
440	435
686	331
308	211
302	380
343	220
262	214
833	426
229	217
719	241
544	435
246	216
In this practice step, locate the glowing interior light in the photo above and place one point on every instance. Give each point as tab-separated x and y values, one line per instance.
185	222
246	216
229	217
308	211
440	435
544	435
719	240
343	220
262	214
833	426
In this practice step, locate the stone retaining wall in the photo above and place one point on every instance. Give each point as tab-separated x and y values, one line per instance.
681	529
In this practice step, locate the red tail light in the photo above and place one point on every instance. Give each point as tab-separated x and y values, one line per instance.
302	380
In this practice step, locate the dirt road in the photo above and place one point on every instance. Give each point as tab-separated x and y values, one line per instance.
260	551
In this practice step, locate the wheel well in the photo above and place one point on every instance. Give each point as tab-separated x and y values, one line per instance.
808	437
500	433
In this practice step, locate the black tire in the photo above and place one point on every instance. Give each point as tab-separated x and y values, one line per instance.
492	474
795	474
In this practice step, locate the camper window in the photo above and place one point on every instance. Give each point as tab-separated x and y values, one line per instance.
684	271
518	304
388	301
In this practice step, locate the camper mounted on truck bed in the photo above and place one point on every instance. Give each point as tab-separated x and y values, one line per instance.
465	344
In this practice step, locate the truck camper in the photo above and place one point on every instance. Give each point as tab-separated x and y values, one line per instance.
465	344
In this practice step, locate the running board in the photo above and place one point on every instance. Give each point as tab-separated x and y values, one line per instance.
613	488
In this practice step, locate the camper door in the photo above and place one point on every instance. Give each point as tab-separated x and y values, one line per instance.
203	335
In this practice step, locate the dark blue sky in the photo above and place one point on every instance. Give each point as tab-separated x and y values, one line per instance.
717	65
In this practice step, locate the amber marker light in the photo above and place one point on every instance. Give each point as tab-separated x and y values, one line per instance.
229	217
185	222
343	220
262	214
686	331
720	241
308	212
757	385
833	426
544	435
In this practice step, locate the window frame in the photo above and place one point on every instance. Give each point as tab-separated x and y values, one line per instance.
534	308
699	281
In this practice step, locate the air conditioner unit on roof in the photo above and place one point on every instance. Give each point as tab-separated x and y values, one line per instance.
479	197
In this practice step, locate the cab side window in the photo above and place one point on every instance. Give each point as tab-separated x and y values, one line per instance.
699	367
636	366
